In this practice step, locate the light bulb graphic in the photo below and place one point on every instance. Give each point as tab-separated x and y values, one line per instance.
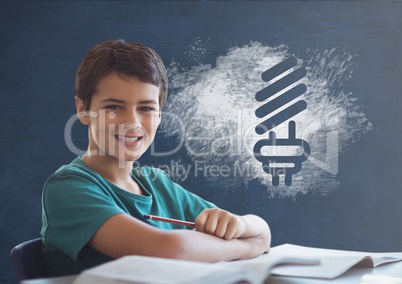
281	155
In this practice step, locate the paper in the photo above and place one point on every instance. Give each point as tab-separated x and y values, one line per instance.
333	262
284	260
142	269
138	269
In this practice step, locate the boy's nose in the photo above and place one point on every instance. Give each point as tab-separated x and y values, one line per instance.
133	125
133	120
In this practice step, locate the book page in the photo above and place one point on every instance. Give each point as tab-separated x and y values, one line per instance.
142	269
263	264
333	262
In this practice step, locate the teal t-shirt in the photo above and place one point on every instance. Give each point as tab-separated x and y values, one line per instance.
76	202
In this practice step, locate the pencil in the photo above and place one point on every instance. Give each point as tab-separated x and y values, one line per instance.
169	220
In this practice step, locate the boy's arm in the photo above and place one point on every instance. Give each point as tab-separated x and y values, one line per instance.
124	235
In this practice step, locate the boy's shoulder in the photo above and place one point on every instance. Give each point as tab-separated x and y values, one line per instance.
76	168
76	165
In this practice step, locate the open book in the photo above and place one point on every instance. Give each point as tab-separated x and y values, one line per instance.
142	269
333	263
285	260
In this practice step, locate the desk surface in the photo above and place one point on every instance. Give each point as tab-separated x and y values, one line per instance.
352	276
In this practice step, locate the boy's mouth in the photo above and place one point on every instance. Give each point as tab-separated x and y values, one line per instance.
129	140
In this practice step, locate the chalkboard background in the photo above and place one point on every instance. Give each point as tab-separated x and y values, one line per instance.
42	43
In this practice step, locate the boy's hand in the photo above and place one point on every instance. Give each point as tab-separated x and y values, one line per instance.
220	223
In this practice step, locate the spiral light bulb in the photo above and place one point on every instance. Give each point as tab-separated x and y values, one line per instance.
268	151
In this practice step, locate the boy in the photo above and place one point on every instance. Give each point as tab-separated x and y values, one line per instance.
93	208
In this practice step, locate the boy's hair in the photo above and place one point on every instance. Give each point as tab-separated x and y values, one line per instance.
125	58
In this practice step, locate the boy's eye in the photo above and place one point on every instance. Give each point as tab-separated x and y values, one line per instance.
113	107
145	108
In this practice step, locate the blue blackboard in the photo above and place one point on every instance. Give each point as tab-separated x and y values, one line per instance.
346	195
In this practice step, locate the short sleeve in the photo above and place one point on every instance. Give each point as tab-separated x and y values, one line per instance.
75	207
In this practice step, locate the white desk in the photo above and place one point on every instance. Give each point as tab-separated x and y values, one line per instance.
352	276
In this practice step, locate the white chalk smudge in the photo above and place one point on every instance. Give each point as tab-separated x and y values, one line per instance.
199	50
216	108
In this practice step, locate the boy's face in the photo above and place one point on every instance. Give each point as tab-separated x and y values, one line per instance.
123	117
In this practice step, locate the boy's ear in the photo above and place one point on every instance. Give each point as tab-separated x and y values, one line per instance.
81	112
